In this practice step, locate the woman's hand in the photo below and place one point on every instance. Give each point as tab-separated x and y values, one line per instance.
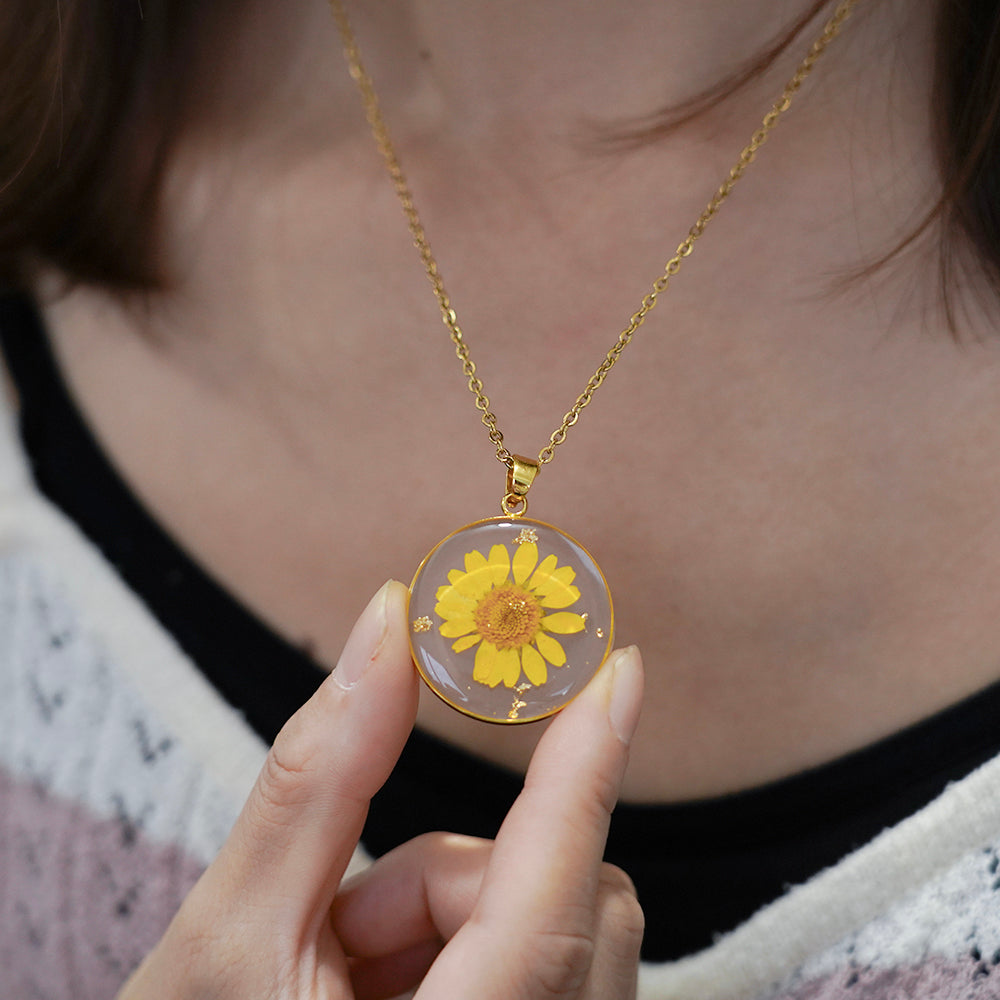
535	914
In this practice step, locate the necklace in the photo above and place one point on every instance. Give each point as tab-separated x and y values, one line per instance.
511	617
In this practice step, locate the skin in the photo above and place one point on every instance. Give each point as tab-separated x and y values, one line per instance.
790	484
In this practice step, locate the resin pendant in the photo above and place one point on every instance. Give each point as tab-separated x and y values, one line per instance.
509	619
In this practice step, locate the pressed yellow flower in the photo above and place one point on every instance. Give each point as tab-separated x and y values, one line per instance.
512	608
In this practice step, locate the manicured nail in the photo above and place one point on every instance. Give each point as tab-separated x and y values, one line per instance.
364	641
626	693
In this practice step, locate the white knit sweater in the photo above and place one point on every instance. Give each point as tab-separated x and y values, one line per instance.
121	771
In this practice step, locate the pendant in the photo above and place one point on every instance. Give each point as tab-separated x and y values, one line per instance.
509	619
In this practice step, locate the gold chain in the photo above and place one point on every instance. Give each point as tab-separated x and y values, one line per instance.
385	146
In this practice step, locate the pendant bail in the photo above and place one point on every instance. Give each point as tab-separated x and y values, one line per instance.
520	475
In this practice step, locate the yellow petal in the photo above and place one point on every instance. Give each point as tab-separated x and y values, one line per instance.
534	666
557	580
559	597
455	605
458	626
472	585
544	571
449	595
524	561
499	564
461	645
496	675
550	649
508	663
483	667
563	622
474	560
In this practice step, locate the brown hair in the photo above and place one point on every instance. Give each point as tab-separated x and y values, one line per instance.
92	100
967	98
95	96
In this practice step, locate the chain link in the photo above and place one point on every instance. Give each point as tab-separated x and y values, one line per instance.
385	145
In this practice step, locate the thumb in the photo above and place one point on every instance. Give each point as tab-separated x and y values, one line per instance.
298	830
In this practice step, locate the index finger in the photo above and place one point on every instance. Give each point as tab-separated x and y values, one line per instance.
541	885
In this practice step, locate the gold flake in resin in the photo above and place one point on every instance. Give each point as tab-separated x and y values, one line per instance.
528	536
515	709
423	624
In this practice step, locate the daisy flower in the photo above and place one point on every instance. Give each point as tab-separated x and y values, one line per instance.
512	609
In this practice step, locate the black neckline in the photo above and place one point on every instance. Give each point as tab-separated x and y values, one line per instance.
701	867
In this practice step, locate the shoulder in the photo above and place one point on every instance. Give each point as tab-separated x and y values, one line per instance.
913	913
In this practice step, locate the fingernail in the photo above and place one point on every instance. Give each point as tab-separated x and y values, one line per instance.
626	693
364	641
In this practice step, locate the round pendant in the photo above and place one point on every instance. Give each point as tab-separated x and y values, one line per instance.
509	619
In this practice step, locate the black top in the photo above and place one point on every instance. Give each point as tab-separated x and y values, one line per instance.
700	868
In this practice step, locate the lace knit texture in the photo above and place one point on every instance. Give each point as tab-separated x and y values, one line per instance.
121	772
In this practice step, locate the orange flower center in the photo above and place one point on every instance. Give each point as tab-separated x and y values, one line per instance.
508	616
